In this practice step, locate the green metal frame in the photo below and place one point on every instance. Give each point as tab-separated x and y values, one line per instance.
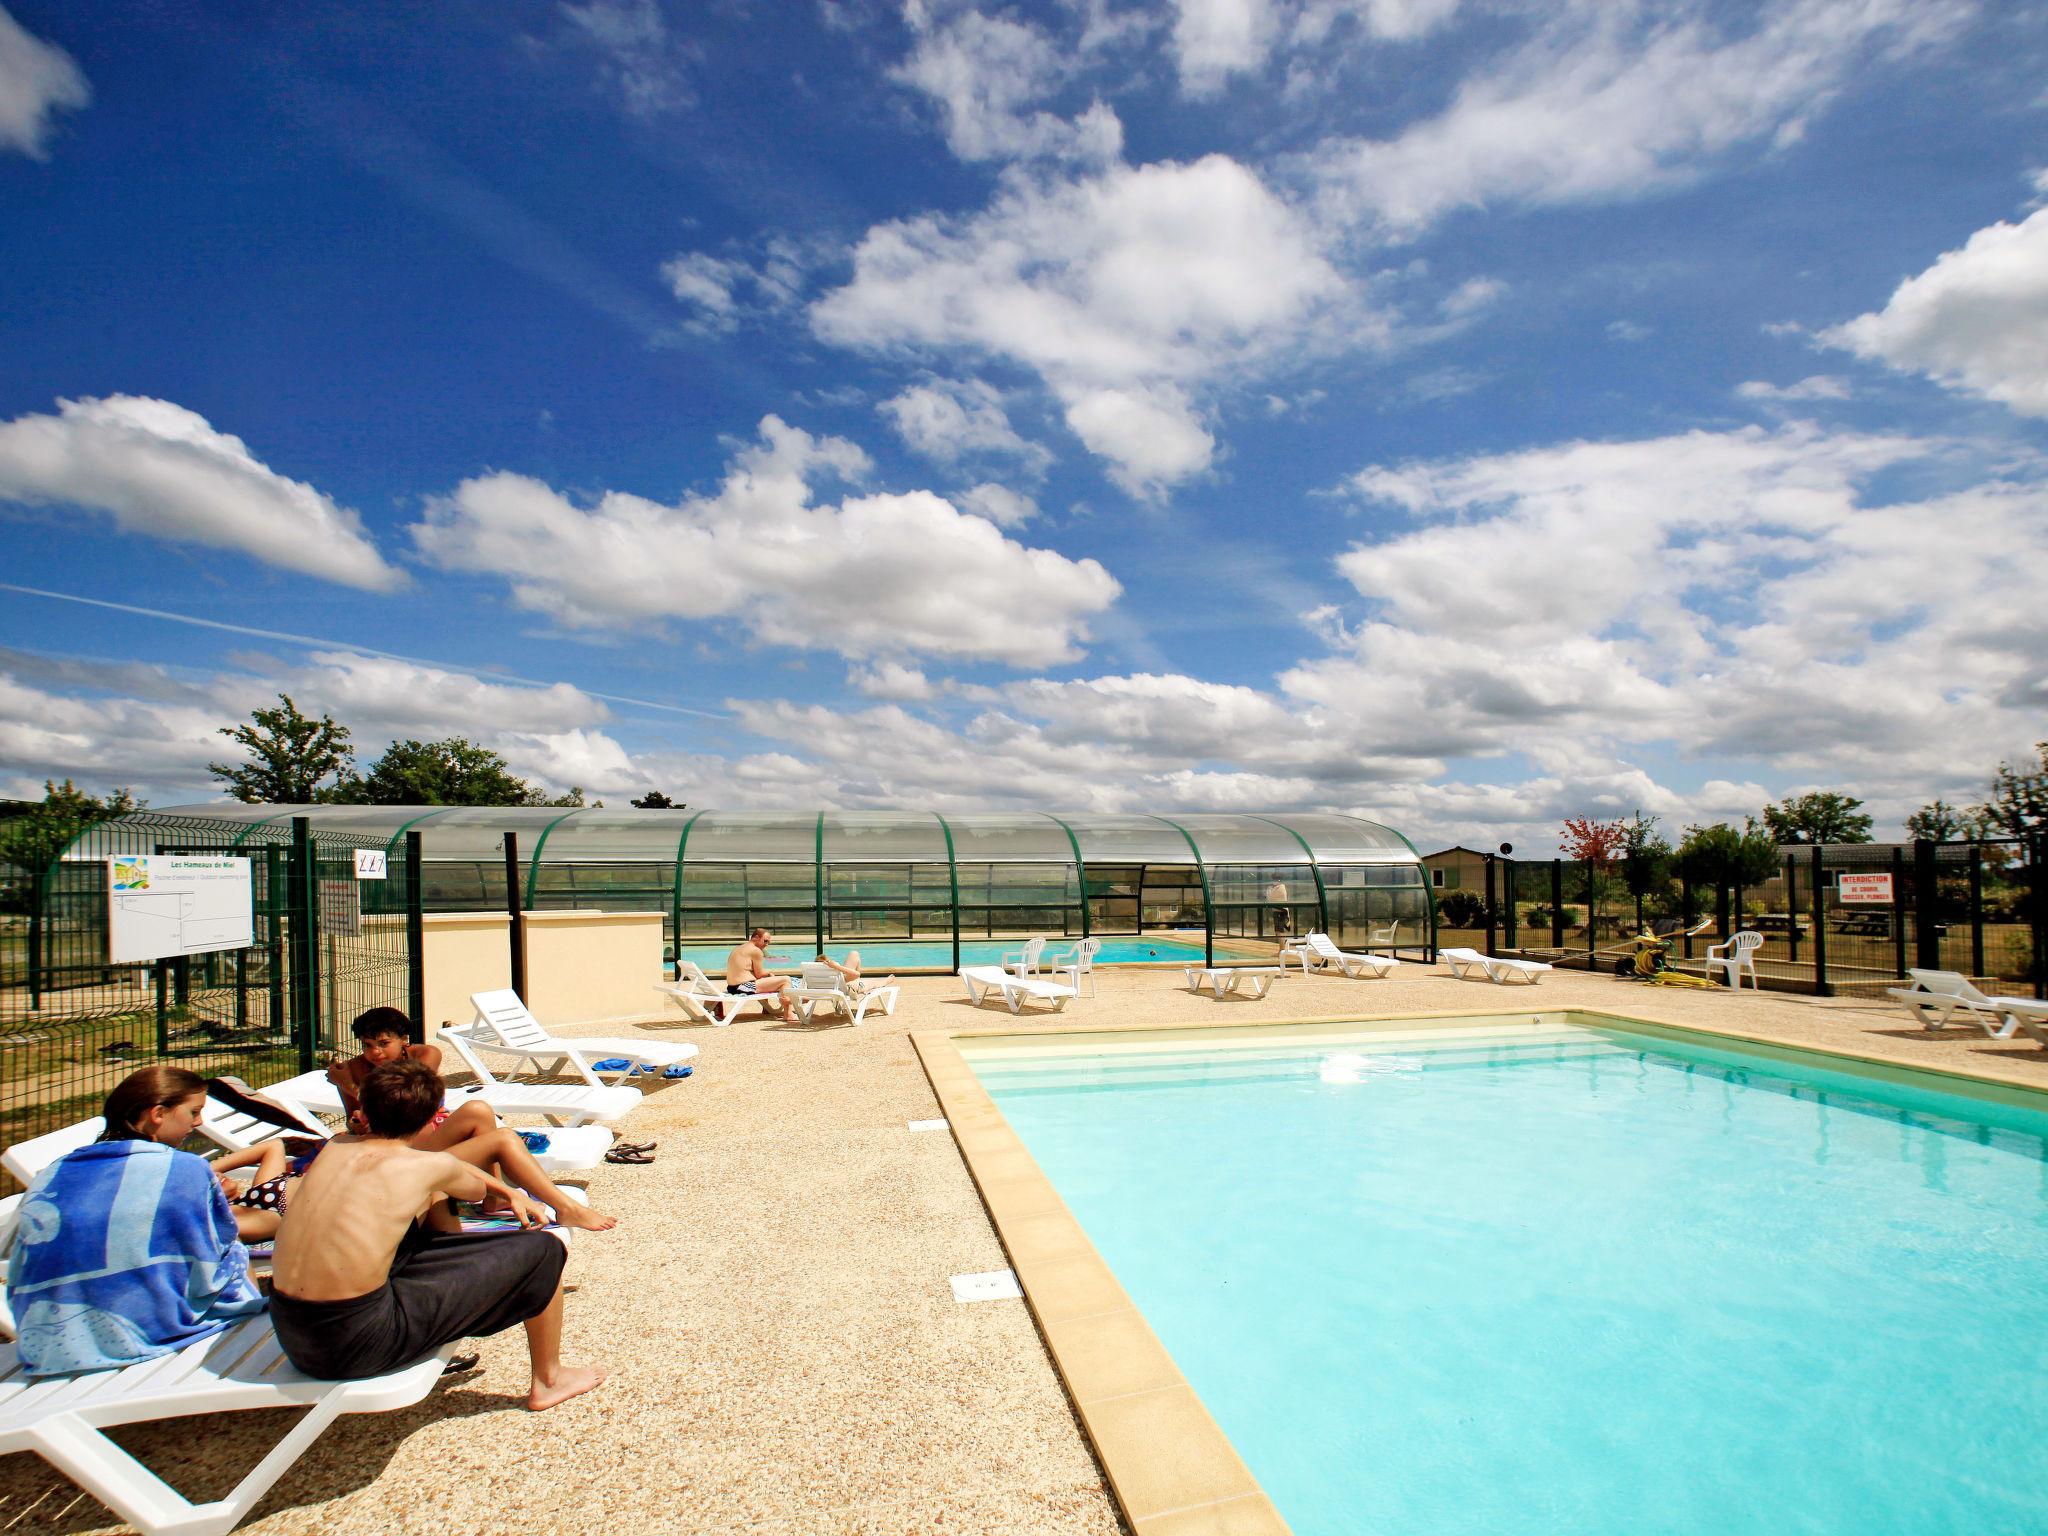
1080	867
1315	872
818	881
1208	901
533	864
676	891
953	878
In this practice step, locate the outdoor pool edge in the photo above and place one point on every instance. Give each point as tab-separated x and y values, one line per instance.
1171	1468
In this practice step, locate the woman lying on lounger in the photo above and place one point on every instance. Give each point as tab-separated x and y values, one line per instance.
127	1249
855	984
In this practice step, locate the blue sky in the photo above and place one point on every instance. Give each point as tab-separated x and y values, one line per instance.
1462	414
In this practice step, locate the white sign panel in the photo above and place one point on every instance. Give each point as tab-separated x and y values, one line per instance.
165	904
341	912
1877	888
369	863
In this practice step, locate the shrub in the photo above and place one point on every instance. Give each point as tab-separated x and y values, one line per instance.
1461	909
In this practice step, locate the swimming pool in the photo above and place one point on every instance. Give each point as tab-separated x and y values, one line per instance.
883	955
1542	1276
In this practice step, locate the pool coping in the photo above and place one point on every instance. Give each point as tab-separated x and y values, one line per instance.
1171	1468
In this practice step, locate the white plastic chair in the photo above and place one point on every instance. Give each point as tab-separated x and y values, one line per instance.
1023	962
1387	938
1737	957
1077	963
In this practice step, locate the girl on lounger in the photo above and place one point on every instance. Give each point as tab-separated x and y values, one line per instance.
127	1249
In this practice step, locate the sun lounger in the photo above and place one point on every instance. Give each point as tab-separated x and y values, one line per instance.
820	986
1936	998
1495	968
1321	952
504	1024
1224	980
560	1104
985	981
63	1419
706	1000
570	1149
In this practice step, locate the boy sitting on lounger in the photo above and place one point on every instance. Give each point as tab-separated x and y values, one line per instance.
470	1131
747	974
373	1272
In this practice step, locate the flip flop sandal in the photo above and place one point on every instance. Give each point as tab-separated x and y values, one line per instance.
457	1364
617	1156
635	1146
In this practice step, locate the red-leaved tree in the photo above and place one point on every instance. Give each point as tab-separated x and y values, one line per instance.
1593	842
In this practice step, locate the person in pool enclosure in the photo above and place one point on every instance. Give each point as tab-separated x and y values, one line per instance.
747	973
373	1270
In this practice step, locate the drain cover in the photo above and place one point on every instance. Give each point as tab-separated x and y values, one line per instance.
940	1124
996	1285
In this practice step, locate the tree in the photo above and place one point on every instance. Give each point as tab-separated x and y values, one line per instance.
2018	806
452	772
290	757
655	800
34	840
1592	842
1821	817
1940	822
1720	855
1646	856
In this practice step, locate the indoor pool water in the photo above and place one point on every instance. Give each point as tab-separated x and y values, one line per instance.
880	955
1553	1279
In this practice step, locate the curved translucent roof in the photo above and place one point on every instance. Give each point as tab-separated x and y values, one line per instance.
552	835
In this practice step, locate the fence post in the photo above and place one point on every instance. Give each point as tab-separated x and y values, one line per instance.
273	939
1792	907
1926	905
302	880
415	940
35	939
1557	903
1685	913
163	1025
512	928
1489	904
1592	913
2037	913
1512	930
1820	926
1635	886
1721	929
1976	909
1898	910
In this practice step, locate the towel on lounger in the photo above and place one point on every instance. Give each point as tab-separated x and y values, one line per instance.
126	1251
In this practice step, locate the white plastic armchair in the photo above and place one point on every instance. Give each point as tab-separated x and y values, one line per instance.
1737	957
1077	964
1024	962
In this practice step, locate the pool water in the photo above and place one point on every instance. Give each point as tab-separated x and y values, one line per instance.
883	955
1556	1279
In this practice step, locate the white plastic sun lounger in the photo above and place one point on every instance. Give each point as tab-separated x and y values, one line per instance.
819	986
503	1023
62	1419
1224	980
1320	952
985	981
1495	968
560	1104
706	1000
1937	997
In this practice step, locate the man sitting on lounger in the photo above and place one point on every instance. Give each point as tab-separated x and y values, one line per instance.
373	1271
747	974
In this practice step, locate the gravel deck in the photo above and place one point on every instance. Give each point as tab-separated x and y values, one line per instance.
774	1307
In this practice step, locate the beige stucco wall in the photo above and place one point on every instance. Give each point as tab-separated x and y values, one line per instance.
583	967
466	952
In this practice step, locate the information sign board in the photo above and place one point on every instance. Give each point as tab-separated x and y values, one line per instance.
164	904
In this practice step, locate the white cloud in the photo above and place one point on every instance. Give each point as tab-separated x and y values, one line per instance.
891	680
985	73
1392	20
1818	386
1976	321
721	291
1627	330
998	503
947	420
889	575
1121	290
642	62
1215	39
163	470
37	79
1607	102
409	699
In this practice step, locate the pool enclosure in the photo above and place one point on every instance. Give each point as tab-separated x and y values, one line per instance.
920	881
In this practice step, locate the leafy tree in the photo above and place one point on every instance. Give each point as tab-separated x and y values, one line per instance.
1647	856
35	839
1592	842
1720	855
290	757
1940	822
2018	806
452	772
655	800
1821	817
